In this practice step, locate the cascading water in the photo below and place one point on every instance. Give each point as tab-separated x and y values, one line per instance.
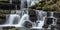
23	19
12	18
31	2
15	17
42	15
19	17
10	2
50	20
41	18
54	19
23	4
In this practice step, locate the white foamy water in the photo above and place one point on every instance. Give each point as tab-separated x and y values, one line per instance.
12	18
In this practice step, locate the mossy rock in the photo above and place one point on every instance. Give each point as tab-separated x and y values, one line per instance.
5	11
49	8
10	28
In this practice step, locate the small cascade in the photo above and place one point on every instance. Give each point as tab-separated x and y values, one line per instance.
10	2
54	19
24	18
40	14
36	17
50	20
39	22
23	4
31	2
41	18
12	18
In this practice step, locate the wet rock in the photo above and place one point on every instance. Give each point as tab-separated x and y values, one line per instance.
58	20
32	15
49	21
27	24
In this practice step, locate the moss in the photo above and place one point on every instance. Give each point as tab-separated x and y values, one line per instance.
5	11
48	5
10	28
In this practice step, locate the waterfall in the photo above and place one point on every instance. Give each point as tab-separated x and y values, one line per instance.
18	17
51	20
41	16
23	4
54	19
10	2
12	17
24	18
31	2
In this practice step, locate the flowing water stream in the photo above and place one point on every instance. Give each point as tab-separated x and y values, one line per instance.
18	17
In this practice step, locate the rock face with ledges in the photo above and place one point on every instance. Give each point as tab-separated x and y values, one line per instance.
5	4
3	14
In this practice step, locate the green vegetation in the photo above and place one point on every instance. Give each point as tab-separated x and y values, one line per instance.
49	5
10	28
3	14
